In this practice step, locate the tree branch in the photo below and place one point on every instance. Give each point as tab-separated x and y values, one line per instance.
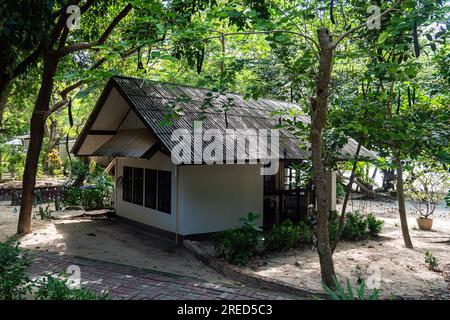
87	45
354	29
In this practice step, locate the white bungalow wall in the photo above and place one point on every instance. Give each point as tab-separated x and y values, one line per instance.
213	198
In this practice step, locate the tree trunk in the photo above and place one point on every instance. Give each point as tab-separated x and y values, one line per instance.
4	94
37	124
401	201
52	143
348	191
319	108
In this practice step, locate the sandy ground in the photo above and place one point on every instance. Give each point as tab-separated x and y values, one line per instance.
105	239
400	271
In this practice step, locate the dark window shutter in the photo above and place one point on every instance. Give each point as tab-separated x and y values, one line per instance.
164	191
150	188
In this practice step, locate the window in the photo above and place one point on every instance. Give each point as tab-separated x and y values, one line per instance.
127	184
138	186
290	181
164	191
150	188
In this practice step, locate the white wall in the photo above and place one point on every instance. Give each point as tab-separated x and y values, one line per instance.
139	213
213	198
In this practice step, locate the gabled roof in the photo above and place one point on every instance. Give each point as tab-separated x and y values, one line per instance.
150	101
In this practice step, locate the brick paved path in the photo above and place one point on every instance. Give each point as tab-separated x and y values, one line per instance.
125	282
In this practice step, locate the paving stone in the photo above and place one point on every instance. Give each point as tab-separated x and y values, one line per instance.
124	282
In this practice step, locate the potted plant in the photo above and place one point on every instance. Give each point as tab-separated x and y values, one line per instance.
426	188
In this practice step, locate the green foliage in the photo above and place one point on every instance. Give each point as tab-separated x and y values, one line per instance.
306	231
431	261
340	293
239	245
57	288
14	280
96	194
356	226
14	158
374	224
72	196
340	190
44	213
283	236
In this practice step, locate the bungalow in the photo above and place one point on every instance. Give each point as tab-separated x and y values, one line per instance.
133	124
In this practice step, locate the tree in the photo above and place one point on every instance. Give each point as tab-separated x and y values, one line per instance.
53	51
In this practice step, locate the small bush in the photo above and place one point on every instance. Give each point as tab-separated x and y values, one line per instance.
14	280
431	261
333	224
355	227
306	231
57	288
340	190
239	245
72	196
283	236
341	294
374	224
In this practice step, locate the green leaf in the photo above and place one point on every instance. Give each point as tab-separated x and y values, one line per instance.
383	36
281	38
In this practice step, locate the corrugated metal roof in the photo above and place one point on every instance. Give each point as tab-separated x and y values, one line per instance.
150	100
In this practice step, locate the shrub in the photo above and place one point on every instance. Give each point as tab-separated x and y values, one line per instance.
431	261
341	294
340	190
306	231
72	196
333	224
239	245
14	280
283	236
56	288
374	224
355	227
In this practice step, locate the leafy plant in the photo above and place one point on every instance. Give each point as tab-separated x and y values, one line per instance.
239	245
14	280
44	213
283	236
340	190
57	288
306	231
341	294
72	196
333	223
374	224
355	227
431	261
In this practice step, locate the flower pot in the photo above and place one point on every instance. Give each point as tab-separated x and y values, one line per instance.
425	223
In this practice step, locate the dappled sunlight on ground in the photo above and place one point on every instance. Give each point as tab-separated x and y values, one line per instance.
402	272
105	239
